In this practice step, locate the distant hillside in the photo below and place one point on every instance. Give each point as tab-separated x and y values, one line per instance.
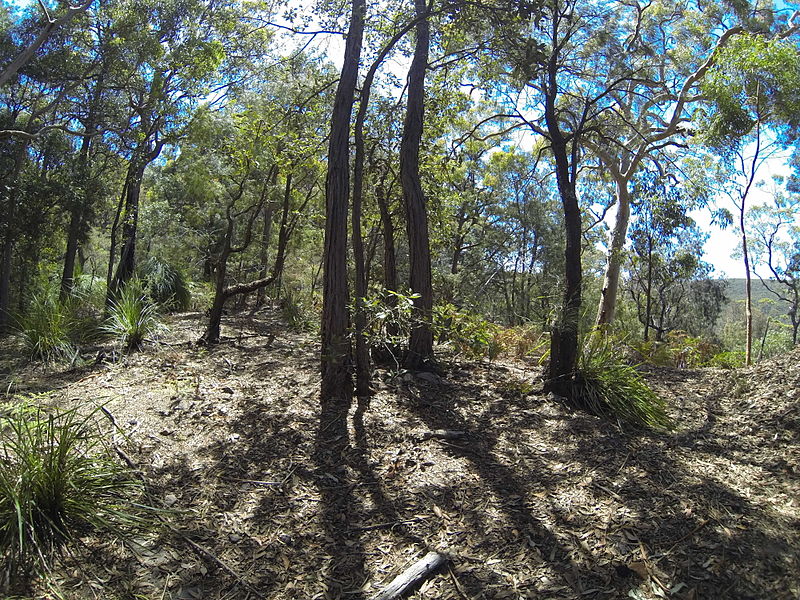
763	299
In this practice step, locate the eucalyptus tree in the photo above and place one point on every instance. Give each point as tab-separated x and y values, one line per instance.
170	53
660	55
664	265
526	213
420	344
33	106
50	23
336	354
754	95
776	251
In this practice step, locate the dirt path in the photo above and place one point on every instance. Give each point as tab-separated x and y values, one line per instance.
534	501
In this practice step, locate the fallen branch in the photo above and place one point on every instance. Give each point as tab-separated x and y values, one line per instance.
412	577
442	434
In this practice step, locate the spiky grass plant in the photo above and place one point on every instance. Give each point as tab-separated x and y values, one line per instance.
57	483
132	316
165	284
611	388
45	328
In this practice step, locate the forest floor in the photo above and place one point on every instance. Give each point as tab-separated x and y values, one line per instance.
268	498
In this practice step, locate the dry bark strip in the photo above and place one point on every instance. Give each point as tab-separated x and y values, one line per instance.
412	577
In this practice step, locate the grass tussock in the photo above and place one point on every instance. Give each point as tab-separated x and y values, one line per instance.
57	483
52	330
609	387
165	284
133	316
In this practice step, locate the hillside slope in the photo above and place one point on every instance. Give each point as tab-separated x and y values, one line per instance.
270	497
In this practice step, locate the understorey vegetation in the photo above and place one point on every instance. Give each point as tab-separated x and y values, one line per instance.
411	190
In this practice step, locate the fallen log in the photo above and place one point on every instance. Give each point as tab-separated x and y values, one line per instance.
412	577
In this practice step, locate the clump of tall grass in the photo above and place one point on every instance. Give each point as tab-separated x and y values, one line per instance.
165	284
297	310
46	327
58	482
609	387
132	316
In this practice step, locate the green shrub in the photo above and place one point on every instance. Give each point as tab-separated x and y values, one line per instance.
132	316
470	334
57	483
727	360
165	284
523	341
611	388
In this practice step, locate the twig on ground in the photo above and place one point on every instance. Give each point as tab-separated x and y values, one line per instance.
457	585
390	524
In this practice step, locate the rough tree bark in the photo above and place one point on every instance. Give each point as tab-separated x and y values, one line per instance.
420	345
336	356
9	237
564	337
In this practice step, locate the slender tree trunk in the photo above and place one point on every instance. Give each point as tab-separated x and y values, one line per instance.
608	297
335	360
130	223
748	287
112	245
266	231
564	340
420	346
389	253
648	311
213	328
564	337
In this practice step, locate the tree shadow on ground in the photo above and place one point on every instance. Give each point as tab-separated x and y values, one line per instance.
651	496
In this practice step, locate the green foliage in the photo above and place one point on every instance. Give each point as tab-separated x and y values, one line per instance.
727	360
522	341
132	316
52	329
165	284
468	333
45	328
298	311
679	350
57	483
754	80
390	317
609	387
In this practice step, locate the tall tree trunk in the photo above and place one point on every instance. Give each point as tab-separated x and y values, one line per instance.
648	311
213	327
335	360
564	337
12	185
420	345
389	253
81	203
608	297
130	223
748	287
